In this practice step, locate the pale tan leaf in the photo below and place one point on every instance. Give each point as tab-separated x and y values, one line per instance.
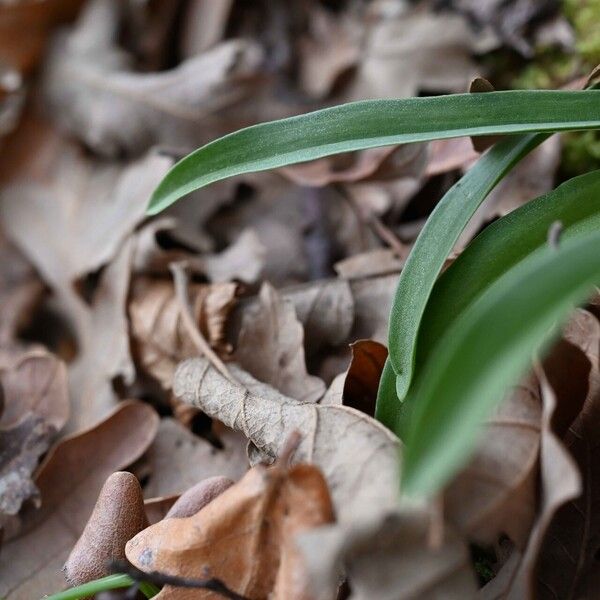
357	455
270	347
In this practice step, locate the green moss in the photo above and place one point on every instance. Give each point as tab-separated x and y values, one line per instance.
550	70
584	15
581	153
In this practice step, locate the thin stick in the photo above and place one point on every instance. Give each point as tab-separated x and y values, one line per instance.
180	279
212	584
379	228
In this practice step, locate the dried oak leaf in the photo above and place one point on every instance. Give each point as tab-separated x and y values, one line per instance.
178	459
496	493
387	556
357	455
568	562
92	92
158	329
245	537
70	214
118	515
560	482
69	481
103	342
270	347
36	407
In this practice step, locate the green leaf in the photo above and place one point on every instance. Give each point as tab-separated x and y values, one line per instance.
576	204
111	582
485	352
372	123
436	240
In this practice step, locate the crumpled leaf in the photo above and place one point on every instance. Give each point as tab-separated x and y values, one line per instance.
118	515
568	561
357	455
159	331
178	459
36	407
245	537
68	214
495	493
93	94
88	457
387	556
270	347
362	379
101	330
324	308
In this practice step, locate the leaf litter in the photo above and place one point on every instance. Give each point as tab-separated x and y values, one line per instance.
275	329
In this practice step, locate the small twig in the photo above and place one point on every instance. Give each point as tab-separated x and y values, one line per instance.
212	584
377	226
180	279
554	232
435	534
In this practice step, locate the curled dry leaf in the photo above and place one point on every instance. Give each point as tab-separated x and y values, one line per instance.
178	459
325	309
36	407
270	347
117	516
94	95
568	562
69	481
198	496
160	333
496	492
362	379
387	556
245	537
357	455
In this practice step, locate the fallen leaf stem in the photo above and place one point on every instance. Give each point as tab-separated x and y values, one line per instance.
180	280
212	583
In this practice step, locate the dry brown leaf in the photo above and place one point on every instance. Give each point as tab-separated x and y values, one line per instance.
204	25
245	537
357	455
35	17
158	328
330	48
118	515
568	560
242	261
388	556
270	347
362	379
70	215
157	508
178	459
390	67
103	342
198	496
449	155
93	94
36	407
496	492
69	480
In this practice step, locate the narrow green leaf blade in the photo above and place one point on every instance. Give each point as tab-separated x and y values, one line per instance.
373	123
110	582
438	236
503	244
485	352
